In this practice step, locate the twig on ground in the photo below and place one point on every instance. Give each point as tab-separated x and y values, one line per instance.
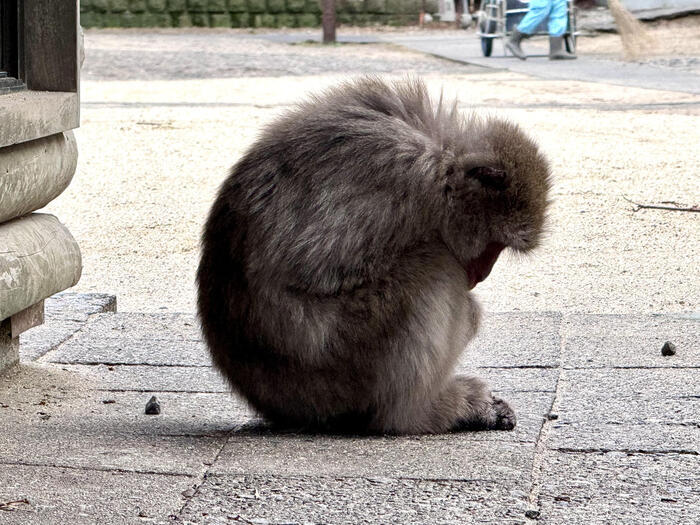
9	506
660	207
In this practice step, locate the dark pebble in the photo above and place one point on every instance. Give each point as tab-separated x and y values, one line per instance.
108	401
552	416
532	514
153	406
668	349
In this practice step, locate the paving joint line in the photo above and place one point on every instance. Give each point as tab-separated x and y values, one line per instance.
93	469
537	472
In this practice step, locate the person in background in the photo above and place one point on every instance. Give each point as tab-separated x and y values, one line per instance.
556	10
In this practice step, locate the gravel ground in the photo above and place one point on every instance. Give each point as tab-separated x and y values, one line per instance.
675	44
154	149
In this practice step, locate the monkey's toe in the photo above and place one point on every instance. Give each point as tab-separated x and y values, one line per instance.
505	416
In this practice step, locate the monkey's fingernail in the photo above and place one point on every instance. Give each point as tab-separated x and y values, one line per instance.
668	349
153	406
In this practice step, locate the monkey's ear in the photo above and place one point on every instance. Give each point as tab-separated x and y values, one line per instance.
489	177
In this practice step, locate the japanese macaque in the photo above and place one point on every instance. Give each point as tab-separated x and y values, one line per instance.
339	255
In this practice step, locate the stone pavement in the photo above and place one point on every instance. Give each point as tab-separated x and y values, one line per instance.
608	431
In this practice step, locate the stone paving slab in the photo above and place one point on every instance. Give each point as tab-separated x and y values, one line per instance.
151	378
661	438
615	487
516	339
633	351
88	348
456	457
575	418
636	396
64	314
65	422
302	499
77	496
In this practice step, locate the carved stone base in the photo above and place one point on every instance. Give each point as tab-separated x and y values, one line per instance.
9	346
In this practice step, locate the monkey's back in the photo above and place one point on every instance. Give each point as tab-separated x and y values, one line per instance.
307	222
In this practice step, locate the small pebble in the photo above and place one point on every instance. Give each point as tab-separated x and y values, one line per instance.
532	514
153	406
668	349
552	416
108	401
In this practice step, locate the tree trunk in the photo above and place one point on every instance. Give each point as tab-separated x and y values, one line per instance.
328	21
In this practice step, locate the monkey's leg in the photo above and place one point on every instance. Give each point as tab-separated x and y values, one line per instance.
418	393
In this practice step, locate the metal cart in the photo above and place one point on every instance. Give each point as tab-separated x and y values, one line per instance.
497	18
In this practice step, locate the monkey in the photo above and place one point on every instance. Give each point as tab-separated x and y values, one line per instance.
338	259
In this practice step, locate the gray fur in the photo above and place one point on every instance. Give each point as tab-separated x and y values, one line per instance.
339	254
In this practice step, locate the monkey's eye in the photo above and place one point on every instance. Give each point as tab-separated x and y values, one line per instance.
493	178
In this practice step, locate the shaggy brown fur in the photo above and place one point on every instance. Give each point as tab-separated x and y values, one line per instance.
339	254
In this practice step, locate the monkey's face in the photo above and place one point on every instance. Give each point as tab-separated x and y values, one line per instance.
495	198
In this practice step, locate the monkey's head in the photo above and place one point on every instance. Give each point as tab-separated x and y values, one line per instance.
495	186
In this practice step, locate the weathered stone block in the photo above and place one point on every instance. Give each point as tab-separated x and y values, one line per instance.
220	20
376	6
295	6
313	6
9	347
177	6
307	20
35	173
217	6
157	6
256	6
118	6
39	258
137	6
275	6
237	6
240	20
285	20
197	6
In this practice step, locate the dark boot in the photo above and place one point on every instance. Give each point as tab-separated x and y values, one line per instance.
513	44
557	50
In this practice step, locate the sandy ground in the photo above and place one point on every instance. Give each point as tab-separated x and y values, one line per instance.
155	147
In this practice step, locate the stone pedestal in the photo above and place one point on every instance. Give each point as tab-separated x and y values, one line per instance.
38	255
9	346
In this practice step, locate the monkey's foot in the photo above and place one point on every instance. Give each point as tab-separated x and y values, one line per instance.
485	412
504	415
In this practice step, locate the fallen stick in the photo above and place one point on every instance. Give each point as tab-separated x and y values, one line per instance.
11	505
660	207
